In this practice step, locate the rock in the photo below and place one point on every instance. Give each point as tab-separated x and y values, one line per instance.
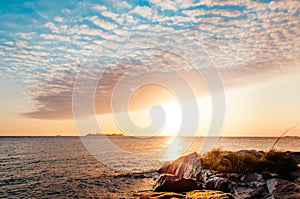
253	180
188	166
172	183
295	155
271	184
234	176
242	192
295	175
285	189
197	194
271	197
251	177
247	193
162	195
219	183
208	194
205	174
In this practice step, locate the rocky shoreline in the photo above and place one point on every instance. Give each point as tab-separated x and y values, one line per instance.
241	175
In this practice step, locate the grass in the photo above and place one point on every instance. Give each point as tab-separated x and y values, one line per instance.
234	162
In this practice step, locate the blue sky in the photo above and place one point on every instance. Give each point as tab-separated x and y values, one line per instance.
43	44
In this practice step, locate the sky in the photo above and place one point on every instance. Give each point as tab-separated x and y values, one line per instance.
64	64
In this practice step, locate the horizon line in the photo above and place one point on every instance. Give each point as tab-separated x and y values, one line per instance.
244	136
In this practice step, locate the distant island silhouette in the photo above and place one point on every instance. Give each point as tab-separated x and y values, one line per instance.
101	134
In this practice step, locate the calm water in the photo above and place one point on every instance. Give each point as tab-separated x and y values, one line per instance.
61	167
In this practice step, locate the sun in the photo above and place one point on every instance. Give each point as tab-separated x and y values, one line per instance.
173	111
173	118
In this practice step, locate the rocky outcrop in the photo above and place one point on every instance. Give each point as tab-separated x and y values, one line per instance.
172	183
186	178
188	166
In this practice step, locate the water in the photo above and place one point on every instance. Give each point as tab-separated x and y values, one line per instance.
62	167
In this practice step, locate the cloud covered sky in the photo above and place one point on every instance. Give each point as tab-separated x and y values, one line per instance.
43	44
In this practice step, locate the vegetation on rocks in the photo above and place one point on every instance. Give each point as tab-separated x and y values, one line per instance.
280	163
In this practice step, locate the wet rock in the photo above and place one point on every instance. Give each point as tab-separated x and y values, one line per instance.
172	183
188	166
219	183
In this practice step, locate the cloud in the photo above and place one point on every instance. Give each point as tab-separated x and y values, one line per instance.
226	13
52	27
143	11
59	19
124	4
55	37
26	36
109	14
194	12
21	44
99	8
10	43
103	24
165	5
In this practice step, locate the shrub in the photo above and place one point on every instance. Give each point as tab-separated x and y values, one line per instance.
273	161
232	162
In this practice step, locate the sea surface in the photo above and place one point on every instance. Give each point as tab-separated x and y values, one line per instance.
102	167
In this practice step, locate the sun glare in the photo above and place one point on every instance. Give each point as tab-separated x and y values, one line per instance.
174	149
173	118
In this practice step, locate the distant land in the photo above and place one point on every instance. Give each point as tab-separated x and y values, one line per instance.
100	134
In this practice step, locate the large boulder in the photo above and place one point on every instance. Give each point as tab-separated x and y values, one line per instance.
187	166
172	183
